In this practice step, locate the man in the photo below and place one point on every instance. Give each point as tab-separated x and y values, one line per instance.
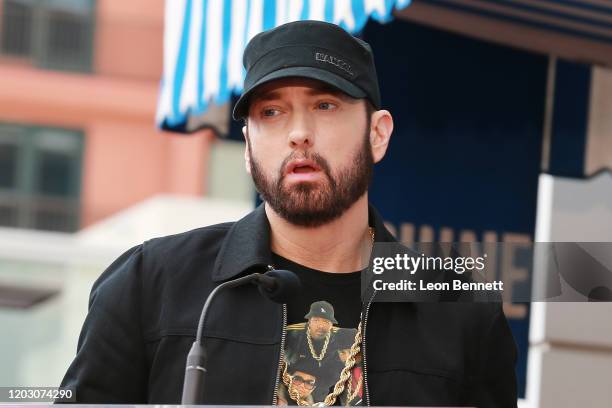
314	127
302	380
317	342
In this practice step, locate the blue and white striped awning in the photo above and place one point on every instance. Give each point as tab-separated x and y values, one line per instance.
204	41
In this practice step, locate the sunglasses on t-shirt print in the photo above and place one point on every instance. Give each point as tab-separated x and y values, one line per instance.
310	384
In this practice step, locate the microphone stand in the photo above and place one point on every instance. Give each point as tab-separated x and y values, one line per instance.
276	285
195	370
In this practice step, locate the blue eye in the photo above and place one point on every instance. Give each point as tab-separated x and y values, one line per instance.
326	106
269	112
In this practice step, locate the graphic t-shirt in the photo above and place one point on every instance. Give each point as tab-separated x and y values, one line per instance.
322	322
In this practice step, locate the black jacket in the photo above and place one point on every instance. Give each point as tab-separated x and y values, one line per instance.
144	309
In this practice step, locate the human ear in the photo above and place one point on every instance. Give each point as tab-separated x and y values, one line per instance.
247	157
381	127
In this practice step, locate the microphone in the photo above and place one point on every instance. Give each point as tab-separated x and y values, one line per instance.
276	285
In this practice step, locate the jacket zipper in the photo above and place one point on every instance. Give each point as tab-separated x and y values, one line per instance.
282	355
363	351
282	348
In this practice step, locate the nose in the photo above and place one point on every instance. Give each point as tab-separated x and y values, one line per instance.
300	133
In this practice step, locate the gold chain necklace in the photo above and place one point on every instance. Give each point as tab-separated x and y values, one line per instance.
345	375
311	347
353	393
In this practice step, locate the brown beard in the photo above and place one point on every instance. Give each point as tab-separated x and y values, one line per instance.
313	204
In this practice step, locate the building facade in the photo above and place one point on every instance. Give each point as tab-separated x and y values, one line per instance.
79	82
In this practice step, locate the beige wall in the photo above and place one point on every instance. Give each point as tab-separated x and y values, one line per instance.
570	343
126	159
599	135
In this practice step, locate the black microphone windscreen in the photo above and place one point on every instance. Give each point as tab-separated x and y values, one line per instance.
287	285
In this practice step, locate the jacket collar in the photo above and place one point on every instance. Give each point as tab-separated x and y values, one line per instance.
247	243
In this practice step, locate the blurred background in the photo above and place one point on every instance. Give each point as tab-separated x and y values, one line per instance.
503	133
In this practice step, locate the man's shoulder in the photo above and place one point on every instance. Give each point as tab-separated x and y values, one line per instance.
189	241
168	254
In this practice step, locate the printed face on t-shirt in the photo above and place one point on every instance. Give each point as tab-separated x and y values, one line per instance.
319	327
304	383
343	354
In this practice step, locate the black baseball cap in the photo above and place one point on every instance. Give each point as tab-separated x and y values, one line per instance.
309	49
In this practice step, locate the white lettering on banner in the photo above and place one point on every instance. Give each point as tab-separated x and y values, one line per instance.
409	233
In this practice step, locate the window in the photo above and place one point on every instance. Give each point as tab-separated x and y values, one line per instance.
54	34
40	177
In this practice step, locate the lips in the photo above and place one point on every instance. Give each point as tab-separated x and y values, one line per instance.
301	166
303	169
